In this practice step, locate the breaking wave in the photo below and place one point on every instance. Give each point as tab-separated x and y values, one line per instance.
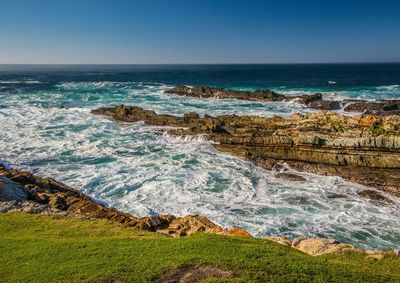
143	170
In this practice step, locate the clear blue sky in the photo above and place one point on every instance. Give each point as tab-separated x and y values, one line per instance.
201	31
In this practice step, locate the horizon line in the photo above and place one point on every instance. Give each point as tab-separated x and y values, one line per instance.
122	64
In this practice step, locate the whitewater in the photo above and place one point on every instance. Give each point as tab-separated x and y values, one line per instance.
141	170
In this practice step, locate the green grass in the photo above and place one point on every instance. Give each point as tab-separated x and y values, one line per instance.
39	248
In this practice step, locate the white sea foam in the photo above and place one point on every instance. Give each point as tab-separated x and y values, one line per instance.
144	171
389	87
19	82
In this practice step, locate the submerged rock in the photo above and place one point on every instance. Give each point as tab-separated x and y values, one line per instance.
373	195
290	177
364	149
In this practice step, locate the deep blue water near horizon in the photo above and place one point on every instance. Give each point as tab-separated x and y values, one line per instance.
47	128
329	77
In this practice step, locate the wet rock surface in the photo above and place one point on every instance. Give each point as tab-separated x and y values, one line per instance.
374	196
290	177
364	149
314	101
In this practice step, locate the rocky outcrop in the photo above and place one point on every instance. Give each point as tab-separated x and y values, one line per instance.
323	246
364	149
314	101
377	107
320	246
258	95
314	246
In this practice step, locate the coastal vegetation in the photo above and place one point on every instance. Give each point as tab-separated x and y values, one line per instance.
41	248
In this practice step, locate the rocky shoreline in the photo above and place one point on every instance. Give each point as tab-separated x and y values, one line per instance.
24	192
364	149
314	101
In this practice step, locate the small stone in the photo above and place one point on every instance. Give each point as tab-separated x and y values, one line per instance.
290	177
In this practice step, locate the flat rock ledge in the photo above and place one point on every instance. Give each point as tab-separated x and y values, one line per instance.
364	149
32	194
313	101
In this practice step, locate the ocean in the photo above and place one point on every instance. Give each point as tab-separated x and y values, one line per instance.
47	128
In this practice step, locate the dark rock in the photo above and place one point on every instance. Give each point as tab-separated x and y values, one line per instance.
258	95
373	195
10	190
379	106
325	104
290	177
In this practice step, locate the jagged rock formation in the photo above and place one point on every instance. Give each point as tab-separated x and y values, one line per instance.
364	149
314	101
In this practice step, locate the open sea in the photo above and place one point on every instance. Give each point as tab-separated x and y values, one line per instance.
46	128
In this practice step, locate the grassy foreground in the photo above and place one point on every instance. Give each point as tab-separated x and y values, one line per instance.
39	248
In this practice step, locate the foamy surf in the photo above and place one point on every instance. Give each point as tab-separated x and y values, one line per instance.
144	171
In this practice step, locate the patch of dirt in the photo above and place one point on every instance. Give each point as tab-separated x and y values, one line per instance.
191	274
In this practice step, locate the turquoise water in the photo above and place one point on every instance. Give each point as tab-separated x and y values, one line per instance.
47	128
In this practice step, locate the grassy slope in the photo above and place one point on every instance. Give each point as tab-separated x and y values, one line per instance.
38	248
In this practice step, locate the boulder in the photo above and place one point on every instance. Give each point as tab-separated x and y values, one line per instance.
191	224
325	104
320	246
10	190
